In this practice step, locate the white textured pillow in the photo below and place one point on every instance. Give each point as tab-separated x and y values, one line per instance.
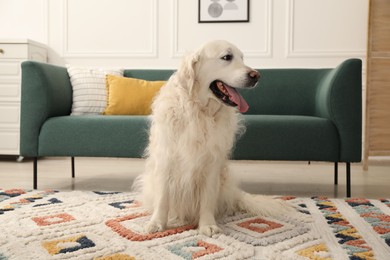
89	89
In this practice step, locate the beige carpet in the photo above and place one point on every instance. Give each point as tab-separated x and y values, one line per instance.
109	225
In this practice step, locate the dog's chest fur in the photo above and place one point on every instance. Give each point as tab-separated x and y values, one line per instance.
203	130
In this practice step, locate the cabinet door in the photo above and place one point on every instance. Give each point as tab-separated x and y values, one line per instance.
9	127
377	130
379	106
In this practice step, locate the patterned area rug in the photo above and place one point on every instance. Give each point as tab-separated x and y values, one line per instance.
109	225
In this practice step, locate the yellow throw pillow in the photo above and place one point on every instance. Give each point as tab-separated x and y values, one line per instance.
130	96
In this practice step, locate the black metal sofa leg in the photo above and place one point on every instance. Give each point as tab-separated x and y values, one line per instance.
73	171
35	173
348	168
348	175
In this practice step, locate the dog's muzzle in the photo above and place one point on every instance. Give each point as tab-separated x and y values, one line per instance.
230	96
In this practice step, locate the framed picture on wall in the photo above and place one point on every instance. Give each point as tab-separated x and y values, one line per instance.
223	11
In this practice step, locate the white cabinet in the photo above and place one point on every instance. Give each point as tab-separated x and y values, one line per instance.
12	53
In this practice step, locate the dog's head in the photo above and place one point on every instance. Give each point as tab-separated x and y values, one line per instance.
216	70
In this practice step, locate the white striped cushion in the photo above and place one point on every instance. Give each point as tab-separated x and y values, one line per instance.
89	89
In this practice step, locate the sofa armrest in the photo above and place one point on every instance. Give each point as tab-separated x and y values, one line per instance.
339	98
46	92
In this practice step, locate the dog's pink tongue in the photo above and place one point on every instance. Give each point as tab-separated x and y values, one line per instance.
237	99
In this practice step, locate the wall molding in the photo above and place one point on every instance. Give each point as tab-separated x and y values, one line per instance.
147	53
268	51
291	52
45	11
175	39
249	53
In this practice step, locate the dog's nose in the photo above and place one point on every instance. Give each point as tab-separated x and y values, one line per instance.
255	75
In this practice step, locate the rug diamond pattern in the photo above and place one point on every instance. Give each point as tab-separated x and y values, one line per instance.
110	225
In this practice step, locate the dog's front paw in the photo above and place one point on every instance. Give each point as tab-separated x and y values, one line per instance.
154	227
209	230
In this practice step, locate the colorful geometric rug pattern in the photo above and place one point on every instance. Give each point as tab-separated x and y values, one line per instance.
109	225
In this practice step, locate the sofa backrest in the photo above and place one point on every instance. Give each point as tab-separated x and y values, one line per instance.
285	92
279	91
148	74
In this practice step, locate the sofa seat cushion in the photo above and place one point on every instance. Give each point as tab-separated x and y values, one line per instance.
285	137
95	135
267	137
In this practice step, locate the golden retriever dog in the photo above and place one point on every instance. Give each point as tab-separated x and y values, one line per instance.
195	119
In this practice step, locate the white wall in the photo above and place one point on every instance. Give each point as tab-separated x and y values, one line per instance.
156	33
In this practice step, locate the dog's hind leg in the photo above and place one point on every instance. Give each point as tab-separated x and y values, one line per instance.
159	217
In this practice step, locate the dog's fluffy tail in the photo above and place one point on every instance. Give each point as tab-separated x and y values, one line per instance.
264	205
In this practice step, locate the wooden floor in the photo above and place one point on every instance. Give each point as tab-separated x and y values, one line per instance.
273	178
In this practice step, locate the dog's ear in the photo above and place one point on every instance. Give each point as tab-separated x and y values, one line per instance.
187	72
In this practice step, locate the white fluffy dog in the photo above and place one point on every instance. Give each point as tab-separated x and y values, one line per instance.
195	121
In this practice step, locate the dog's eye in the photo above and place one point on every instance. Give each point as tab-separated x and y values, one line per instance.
227	57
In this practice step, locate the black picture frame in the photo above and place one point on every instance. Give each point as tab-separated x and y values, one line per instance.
223	11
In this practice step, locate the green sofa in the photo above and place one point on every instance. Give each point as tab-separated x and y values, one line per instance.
294	115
